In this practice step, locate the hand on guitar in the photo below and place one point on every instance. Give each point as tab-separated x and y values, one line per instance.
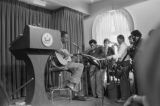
65	55
58	67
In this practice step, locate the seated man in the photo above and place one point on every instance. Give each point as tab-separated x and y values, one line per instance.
76	69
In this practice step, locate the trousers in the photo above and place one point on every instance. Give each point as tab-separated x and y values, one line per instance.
124	82
96	81
76	70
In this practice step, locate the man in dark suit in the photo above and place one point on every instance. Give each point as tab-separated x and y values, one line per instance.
107	49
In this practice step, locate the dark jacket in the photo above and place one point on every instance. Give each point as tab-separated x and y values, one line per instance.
98	52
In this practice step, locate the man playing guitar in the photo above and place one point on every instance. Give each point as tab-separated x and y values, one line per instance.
64	58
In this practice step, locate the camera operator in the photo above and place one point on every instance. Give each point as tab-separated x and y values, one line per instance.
135	41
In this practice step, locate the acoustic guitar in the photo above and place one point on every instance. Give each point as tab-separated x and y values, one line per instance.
60	60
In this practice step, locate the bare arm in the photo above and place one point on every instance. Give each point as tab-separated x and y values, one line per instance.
137	99
64	53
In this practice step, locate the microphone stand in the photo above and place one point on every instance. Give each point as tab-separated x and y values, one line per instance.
80	84
25	84
78	53
78	61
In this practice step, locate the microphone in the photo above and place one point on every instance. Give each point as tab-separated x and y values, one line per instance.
114	44
75	45
20	34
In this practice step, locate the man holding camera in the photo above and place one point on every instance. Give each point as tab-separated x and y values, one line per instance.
135	41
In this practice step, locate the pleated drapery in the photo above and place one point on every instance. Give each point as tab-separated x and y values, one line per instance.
14	16
112	23
70	21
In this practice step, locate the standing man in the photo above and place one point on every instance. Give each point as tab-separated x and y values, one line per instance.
124	60
108	50
95	72
106	65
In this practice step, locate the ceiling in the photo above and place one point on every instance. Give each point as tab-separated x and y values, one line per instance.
80	5
84	1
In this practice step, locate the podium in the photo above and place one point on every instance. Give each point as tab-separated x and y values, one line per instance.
35	47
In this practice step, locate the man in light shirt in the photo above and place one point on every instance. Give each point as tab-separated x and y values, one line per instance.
122	50
76	69
124	60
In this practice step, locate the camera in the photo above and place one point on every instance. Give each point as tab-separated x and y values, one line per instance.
135	39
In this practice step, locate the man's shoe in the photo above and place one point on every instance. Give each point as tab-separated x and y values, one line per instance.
81	98
95	96
120	101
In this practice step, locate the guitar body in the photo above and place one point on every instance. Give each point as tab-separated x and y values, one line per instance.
60	60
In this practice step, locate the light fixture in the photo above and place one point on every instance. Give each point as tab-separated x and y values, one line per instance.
92	1
40	2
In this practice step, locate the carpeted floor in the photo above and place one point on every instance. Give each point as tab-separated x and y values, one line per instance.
108	102
61	101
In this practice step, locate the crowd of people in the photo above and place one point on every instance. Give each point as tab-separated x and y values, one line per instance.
116	60
128	67
141	59
118	65
134	68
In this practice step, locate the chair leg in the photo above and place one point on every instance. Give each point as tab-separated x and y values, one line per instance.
52	92
60	87
70	95
59	80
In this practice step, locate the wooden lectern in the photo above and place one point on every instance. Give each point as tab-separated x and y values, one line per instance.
34	47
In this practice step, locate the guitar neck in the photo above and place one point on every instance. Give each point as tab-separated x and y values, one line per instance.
93	57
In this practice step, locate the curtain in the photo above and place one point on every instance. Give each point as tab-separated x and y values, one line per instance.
112	23
14	16
71	21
